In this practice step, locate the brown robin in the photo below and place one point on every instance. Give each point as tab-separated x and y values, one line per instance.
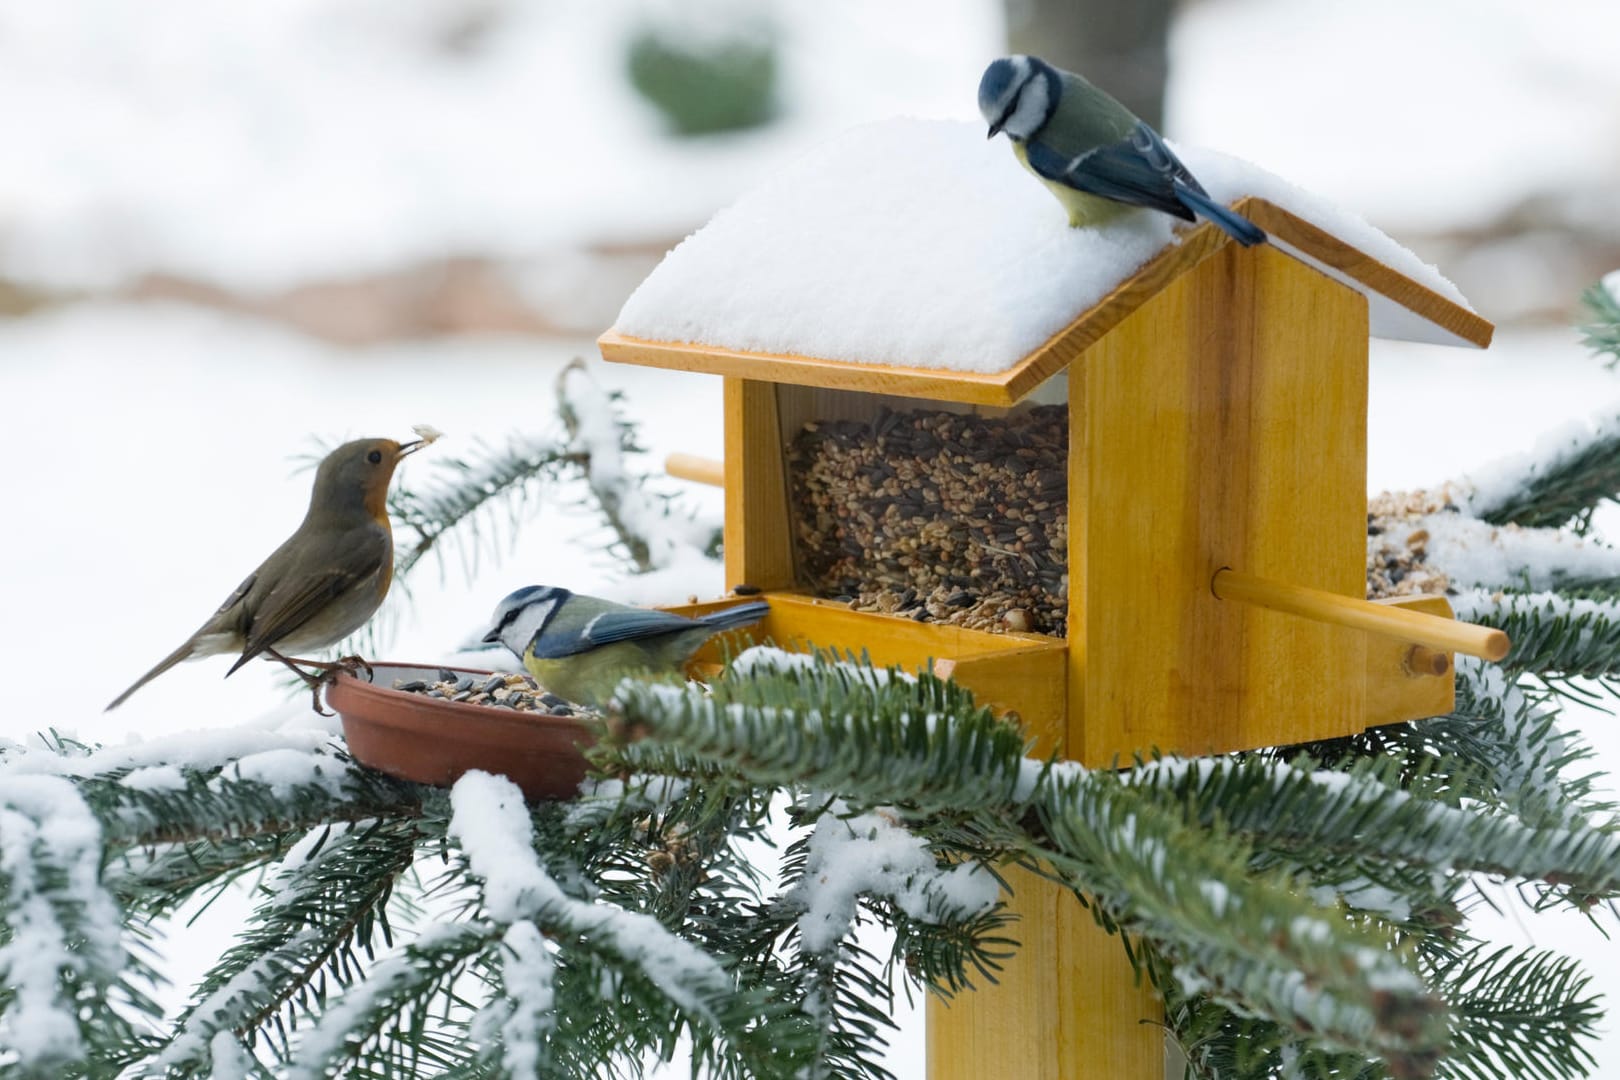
323	583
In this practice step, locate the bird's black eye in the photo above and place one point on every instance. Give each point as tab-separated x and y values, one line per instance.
374	457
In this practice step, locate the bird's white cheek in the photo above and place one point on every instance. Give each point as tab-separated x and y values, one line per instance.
521	630
1030	114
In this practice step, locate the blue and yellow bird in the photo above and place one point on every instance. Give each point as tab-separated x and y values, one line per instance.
1092	152
580	647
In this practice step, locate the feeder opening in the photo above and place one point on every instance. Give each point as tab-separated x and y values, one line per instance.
937	514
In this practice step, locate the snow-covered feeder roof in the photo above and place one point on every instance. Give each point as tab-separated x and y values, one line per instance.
916	257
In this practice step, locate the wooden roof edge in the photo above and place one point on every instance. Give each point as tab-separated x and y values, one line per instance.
998	388
1349	263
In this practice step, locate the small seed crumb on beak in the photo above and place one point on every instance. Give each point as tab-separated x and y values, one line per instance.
427	433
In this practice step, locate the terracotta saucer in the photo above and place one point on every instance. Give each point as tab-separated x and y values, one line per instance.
433	741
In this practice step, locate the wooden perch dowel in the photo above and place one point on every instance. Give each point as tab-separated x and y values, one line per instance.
1422	660
698	469
1445	635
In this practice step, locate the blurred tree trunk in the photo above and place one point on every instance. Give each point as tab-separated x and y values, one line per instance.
1120	46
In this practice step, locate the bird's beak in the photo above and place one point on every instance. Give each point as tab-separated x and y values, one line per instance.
406	449
995	129
493	636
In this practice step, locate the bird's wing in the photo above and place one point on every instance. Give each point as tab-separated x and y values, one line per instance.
1139	171
349	559
236	597
626	624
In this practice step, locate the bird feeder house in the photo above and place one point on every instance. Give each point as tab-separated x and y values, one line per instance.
1204	531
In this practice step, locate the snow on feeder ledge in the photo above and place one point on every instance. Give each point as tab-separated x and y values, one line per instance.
1210	562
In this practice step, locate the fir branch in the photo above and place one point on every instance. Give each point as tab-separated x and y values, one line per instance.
1221	1044
838	727
1361	812
908	743
521	1023
319	908
1554	636
1476	554
1533	765
152	882
895	742
1572	471
226	807
665	982
1500	748
1602	333
465	494
379	1026
1248	939
849	1002
1521	1014
1555	484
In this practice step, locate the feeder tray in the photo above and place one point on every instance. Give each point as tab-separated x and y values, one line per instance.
431	741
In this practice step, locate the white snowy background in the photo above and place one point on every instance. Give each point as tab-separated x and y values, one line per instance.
250	151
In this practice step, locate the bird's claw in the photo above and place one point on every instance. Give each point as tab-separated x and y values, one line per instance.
315	688
354	665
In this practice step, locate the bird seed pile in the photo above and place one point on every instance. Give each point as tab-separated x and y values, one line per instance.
939	516
1398	550
500	690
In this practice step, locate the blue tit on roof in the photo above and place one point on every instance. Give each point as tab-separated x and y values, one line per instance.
1092	152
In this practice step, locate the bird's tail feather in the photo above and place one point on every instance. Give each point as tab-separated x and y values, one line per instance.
182	653
732	618
1229	221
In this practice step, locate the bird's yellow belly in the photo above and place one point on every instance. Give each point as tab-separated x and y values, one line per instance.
1083	208
589	677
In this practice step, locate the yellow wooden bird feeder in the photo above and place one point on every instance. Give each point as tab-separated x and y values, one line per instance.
1217	501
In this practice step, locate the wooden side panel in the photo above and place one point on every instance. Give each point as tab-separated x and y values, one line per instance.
1393	692
1223	424
1030	680
759	547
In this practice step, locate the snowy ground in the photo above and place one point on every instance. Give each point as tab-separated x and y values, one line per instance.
151	447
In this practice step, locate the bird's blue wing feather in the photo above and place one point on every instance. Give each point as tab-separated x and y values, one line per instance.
631	625
628	624
1141	171
1138	171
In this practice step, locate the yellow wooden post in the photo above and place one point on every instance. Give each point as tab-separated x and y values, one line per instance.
758	541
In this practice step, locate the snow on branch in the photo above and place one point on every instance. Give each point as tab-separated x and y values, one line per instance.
492	825
1571	469
527	1017
650	532
871	854
61	947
